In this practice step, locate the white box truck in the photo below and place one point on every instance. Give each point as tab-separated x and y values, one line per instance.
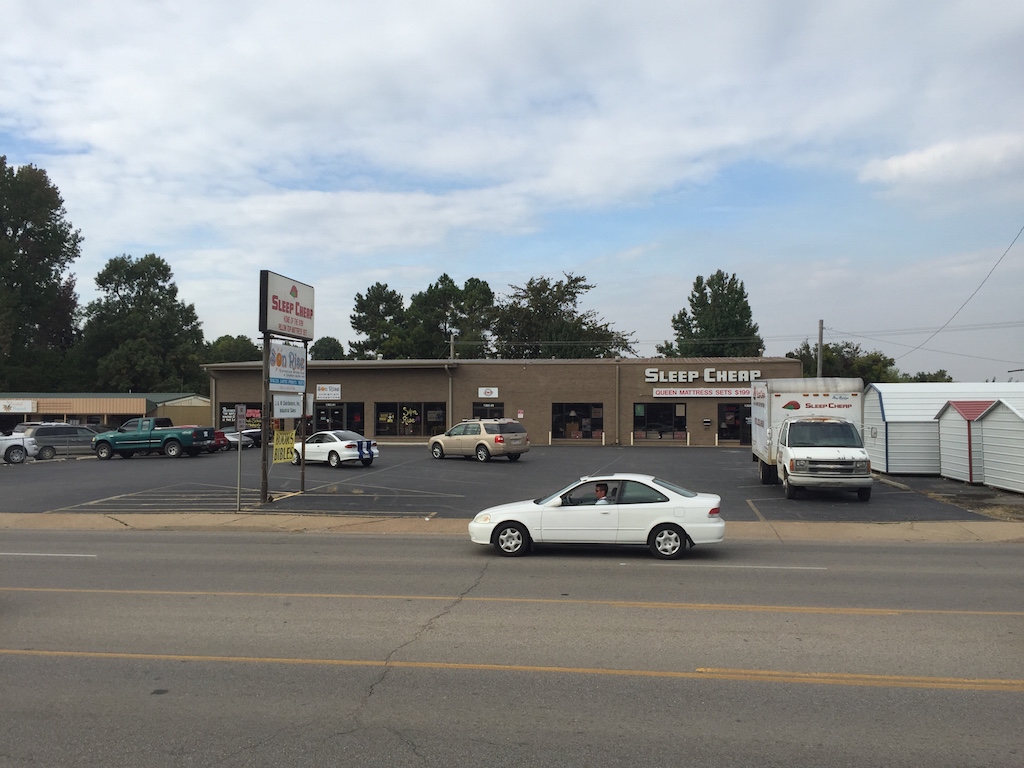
805	433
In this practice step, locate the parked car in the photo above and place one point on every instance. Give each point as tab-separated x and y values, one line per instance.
16	448
482	438
235	439
58	438
336	447
220	442
635	509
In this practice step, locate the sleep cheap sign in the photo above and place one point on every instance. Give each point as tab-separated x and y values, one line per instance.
286	306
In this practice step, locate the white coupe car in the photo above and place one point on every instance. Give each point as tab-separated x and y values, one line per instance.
605	509
337	446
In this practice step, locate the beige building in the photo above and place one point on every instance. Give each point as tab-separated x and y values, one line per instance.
626	401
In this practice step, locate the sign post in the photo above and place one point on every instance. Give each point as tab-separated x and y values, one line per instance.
239	426
286	310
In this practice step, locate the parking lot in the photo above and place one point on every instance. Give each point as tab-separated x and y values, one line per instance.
407	481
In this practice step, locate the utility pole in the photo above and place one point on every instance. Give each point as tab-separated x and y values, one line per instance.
821	335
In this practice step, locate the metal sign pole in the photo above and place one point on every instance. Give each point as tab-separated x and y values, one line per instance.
264	420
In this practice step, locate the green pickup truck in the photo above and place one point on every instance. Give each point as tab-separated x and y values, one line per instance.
152	435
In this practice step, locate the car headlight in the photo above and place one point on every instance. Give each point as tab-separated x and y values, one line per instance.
799	465
483	517
862	466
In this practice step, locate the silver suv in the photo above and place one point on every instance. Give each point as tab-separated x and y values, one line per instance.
482	438
58	438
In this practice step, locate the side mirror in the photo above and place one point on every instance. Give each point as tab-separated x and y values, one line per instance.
555	502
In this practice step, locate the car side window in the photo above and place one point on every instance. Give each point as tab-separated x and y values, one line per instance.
83	432
639	493
472	429
491	429
458	429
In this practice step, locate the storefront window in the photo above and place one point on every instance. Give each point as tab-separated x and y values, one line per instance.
659	421
488	410
339	416
584	421
409	419
732	421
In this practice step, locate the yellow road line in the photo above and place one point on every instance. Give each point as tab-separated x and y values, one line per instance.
738	607
701	673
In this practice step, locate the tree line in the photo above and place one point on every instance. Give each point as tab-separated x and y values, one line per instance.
139	336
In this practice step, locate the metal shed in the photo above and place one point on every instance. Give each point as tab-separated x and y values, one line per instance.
1003	438
961	452
901	433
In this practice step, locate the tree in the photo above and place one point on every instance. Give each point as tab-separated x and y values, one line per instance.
444	310
138	336
327	348
719	323
38	304
380	316
232	349
846	359
542	319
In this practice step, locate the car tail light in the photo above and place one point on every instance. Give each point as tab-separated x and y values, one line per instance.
499	438
349	445
714	512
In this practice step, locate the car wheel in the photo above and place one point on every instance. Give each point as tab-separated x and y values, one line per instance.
296	458
15	454
788	487
334	460
511	540
764	472
367	462
104	451
667	541
437	451
212	449
172	448
126	454
482	454
46	453
864	494
514	456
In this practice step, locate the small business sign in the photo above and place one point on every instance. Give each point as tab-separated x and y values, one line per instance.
288	406
287	368
284	446
743	392
328	391
17	406
487	392
286	306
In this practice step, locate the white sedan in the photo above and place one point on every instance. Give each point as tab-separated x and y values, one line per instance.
337	446
605	509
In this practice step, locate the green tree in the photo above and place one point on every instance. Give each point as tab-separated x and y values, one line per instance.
327	348
380	316
847	359
138	335
444	310
38	304
940	376
543	319
232	349
718	324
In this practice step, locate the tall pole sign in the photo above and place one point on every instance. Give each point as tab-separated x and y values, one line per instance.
286	311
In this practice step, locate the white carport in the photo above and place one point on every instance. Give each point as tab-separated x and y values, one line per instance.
1003	439
901	433
961	452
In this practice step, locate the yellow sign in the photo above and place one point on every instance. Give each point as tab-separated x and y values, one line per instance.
284	446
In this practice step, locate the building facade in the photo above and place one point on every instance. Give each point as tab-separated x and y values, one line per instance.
626	401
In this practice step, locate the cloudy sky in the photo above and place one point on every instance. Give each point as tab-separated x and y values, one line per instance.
859	163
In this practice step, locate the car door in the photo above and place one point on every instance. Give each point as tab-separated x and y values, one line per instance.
580	518
81	440
468	439
639	505
315	448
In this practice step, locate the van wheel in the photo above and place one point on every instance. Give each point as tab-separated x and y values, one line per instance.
46	453
514	456
788	487
482	454
864	494
437	451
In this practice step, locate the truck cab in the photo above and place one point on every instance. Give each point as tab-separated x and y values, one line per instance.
822	452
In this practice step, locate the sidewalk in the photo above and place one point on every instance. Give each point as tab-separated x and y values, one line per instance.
782	532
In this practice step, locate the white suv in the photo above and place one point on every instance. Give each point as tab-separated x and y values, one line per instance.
16	448
482	438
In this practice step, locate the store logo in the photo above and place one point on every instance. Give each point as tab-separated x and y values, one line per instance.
792	405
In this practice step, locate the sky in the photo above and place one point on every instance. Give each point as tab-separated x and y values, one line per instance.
857	163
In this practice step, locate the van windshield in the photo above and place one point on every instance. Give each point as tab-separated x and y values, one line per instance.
824	435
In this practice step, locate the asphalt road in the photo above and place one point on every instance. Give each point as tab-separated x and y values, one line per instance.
178	649
406	480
